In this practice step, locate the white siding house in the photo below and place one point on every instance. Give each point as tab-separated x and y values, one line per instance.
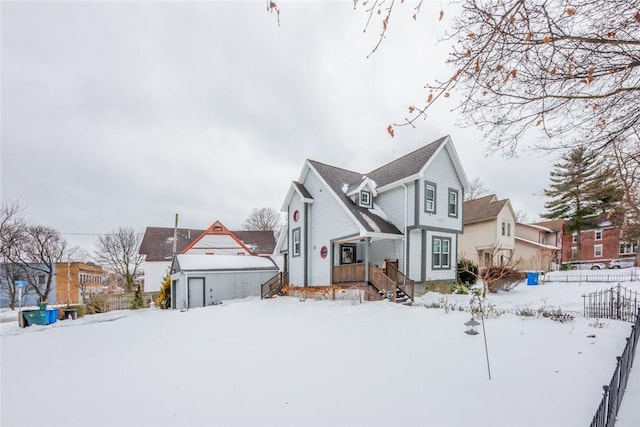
202	280
158	244
346	226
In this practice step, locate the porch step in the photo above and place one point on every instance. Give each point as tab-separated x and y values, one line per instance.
401	297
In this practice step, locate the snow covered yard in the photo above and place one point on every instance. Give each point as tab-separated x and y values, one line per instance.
284	362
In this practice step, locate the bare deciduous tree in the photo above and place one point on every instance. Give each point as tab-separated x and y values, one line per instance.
118	251
496	274
626	162
569	69
43	249
476	189
263	219
12	226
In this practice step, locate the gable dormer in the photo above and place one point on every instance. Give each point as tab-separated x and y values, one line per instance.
363	193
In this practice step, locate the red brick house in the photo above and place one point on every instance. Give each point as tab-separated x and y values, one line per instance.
600	241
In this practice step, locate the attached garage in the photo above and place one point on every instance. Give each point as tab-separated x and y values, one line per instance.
201	280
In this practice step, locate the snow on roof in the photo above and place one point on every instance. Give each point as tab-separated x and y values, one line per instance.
198	262
541	245
371	223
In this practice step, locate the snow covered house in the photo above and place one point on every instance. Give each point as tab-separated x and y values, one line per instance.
199	280
157	247
538	247
381	230
489	231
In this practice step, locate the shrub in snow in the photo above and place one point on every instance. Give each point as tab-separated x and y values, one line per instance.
137	301
460	289
558	316
164	299
467	271
501	278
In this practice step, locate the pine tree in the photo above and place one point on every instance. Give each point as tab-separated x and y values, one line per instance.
137	301
581	187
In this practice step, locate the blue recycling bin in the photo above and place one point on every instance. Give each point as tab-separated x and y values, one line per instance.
532	278
52	315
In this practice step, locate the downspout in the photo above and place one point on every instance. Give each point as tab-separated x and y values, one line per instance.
307	230
404	236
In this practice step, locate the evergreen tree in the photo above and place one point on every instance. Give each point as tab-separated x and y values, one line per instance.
137	301
164	299
581	187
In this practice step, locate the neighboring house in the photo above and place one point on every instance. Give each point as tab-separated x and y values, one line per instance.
76	280
537	248
600	242
344	227
35	275
489	231
199	279
158	243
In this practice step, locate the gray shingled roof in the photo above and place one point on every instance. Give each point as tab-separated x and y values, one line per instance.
394	171
482	209
303	190
335	177
406	165
157	242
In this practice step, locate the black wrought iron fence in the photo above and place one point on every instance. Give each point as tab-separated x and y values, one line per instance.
617	303
614	391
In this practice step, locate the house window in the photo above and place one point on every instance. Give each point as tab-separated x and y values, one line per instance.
41	279
597	250
504	228
440	253
628	248
295	239
453	202
429	197
598	234
508	228
365	198
574	253
574	238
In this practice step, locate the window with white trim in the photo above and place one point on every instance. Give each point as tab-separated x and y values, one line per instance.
295	241
453	202
429	197
627	248
440	253
597	234
365	199
597	250
574	238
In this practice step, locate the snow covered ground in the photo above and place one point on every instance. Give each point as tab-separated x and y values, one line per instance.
284	362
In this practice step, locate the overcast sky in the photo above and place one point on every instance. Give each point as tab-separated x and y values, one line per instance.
126	113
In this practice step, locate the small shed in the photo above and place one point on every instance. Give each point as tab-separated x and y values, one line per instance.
199	280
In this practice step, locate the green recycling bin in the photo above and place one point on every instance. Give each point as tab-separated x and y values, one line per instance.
35	317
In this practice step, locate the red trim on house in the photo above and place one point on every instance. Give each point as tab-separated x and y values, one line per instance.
217	229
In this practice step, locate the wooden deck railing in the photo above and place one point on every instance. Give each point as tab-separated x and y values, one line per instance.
405	284
381	281
272	286
348	273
